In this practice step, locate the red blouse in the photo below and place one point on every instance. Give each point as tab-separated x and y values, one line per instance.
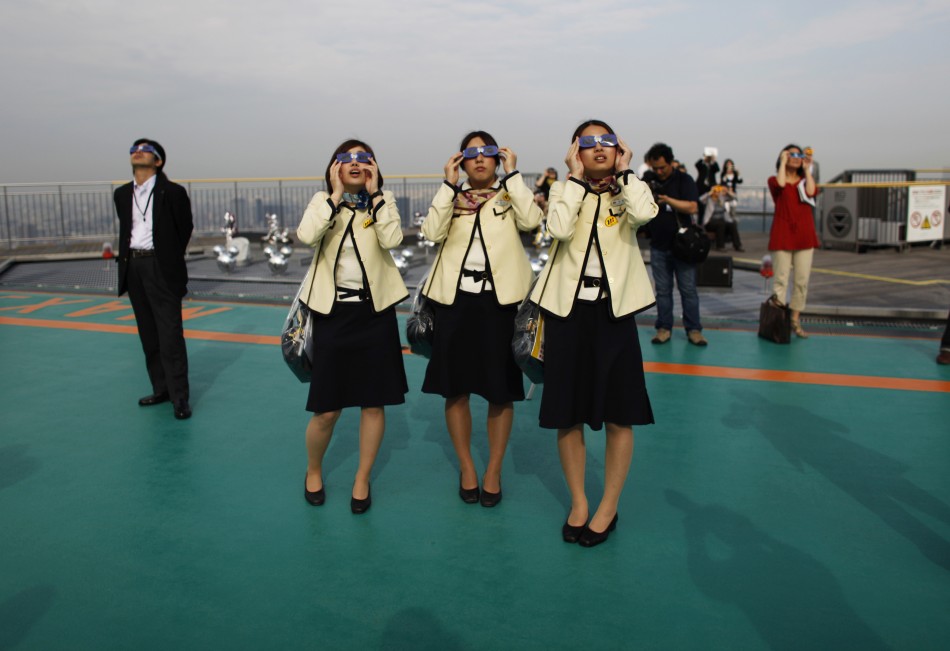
793	227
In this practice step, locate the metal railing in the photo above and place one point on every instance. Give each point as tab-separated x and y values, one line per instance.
65	213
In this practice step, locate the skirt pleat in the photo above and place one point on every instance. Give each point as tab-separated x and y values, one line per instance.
593	370
357	359
471	350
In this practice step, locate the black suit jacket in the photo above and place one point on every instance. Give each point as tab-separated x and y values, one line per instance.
172	224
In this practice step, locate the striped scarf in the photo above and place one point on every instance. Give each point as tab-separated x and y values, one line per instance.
469	201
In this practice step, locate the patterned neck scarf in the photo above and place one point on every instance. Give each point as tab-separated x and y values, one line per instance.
359	200
470	200
598	186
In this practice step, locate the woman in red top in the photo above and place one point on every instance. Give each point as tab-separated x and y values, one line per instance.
793	238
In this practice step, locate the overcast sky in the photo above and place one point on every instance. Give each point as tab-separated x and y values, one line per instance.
268	89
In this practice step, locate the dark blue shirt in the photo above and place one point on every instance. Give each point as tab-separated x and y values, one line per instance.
663	227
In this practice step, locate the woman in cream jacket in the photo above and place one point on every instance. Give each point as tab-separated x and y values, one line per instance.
351	289
591	288
478	279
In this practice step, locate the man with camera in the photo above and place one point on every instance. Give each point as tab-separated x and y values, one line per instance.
675	192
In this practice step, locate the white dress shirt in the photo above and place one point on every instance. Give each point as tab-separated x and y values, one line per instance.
142	204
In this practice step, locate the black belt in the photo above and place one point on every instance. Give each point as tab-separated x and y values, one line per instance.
592	281
345	292
141	253
477	275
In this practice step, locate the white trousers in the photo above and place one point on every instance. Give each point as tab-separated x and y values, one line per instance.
798	265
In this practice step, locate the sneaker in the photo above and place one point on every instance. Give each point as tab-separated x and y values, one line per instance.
696	338
662	336
943	357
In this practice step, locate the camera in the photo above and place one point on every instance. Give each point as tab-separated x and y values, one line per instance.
655	189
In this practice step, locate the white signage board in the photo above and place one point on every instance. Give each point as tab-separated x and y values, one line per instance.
926	212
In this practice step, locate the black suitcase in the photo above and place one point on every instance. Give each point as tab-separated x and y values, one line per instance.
716	271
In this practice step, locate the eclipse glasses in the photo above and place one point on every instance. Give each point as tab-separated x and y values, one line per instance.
793	154
607	140
484	150
144	147
358	156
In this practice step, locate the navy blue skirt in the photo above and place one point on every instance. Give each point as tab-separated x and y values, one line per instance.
593	370
471	350
357	359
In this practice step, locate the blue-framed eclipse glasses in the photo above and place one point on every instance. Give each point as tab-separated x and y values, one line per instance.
144	147
358	156
484	150
793	154
607	140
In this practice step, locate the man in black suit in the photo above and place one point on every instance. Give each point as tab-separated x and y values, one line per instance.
155	224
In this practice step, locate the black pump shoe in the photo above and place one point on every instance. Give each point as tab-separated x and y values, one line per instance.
489	500
591	538
314	498
468	495
572	534
362	506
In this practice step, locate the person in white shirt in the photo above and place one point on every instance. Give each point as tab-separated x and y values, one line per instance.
155	225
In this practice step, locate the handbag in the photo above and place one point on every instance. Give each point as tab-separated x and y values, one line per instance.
420	326
527	345
296	339
775	321
691	244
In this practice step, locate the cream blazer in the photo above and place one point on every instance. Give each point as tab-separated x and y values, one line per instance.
375	232
500	218
572	212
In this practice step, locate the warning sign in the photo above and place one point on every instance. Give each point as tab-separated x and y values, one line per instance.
926	206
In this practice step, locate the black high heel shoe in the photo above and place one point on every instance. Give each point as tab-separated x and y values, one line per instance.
314	498
362	506
468	495
591	538
489	500
572	534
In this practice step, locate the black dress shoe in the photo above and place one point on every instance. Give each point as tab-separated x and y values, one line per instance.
314	498
362	506
154	399
489	500
182	409
572	534
591	538
468	495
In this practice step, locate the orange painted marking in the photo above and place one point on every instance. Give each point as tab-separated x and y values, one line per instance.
799	377
695	370
131	330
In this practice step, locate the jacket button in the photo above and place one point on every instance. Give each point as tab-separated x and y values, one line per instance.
605	252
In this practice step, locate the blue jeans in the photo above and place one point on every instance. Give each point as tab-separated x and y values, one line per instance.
664	265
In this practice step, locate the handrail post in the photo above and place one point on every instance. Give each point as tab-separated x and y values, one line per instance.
764	192
6	214
280	200
237	216
62	215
